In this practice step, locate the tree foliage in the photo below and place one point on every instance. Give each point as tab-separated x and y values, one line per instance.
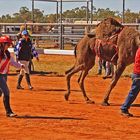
131	17
25	15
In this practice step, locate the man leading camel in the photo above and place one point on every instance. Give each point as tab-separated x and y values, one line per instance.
135	87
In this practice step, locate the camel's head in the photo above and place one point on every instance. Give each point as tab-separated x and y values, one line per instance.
107	28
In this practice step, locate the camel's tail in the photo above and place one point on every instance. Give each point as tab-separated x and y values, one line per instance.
75	54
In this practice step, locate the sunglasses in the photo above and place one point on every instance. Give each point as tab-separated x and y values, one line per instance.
26	35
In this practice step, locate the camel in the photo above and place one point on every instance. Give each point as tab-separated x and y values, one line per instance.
127	42
85	54
108	34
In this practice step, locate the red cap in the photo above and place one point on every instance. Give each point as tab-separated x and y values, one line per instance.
5	39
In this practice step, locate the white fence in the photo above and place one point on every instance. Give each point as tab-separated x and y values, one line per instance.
51	51
61	33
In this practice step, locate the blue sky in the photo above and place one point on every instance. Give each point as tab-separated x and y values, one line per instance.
13	6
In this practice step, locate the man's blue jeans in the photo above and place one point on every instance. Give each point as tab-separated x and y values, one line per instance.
135	88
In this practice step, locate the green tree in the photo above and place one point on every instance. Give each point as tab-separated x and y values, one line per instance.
51	18
130	17
38	15
25	14
105	13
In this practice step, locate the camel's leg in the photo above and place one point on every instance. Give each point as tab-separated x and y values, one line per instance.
69	70
80	77
81	84
68	77
116	76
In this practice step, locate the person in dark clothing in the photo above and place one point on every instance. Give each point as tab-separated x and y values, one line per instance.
24	51
101	64
19	36
5	61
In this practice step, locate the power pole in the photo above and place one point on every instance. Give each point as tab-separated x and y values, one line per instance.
33	11
123	13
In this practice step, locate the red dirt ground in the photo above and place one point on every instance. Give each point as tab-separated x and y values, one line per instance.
43	114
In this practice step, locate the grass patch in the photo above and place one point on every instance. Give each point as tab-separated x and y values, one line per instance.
58	64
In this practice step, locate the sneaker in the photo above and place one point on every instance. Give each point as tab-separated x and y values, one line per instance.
11	115
104	77
99	73
126	113
30	87
19	87
107	76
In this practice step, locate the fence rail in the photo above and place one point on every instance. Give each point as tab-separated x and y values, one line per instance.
60	33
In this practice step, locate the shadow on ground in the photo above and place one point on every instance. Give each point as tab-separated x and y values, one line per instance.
47	117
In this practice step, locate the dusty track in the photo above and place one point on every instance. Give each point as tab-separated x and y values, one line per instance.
43	114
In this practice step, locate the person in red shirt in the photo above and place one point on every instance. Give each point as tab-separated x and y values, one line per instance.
5	61
135	87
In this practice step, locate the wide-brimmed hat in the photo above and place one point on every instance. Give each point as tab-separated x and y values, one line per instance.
5	39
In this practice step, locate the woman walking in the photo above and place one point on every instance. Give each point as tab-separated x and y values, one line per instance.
5	61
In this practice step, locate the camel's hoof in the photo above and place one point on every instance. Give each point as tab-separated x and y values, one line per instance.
90	102
105	103
66	97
